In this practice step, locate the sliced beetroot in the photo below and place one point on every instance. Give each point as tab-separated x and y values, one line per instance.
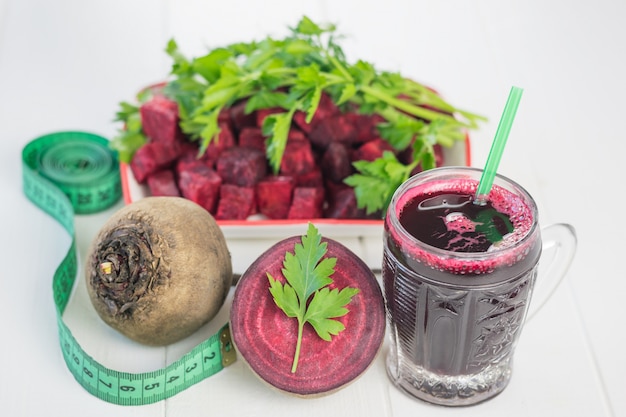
314	178
242	166
307	203
235	203
337	128
200	184
261	114
336	163
240	118
225	140
159	119
366	126
163	184
273	196
298	158
371	150
265	337
325	109
252	137
342	202
153	157
296	134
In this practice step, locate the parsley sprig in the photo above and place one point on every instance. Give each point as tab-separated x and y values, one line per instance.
292	73
306	295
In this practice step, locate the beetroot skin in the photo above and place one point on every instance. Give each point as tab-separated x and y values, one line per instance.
266	338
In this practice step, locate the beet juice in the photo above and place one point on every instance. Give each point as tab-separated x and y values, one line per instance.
457	278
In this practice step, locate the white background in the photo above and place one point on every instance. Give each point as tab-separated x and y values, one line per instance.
66	64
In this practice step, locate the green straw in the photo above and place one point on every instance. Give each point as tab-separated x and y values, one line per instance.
497	147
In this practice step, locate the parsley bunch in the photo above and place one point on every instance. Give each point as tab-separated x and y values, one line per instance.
292	73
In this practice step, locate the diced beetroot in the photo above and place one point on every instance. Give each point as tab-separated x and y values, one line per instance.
261	114
341	202
225	140
236	203
366	126
153	157
224	116
337	128
326	109
159	119
307	203
239	117
252	137
200	184
336	163
163	183
313	178
242	166
371	150
273	195
296	134
298	158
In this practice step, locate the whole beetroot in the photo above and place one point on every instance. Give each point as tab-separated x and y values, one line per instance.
158	270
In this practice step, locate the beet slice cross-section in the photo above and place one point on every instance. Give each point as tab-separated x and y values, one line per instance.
266	337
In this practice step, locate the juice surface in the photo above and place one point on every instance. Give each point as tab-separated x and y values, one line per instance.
452	221
438	227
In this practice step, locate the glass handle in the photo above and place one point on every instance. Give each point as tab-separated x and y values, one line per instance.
559	247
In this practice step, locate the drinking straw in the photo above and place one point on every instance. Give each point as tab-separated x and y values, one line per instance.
497	147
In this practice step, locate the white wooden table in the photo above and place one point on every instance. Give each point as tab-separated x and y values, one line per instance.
66	64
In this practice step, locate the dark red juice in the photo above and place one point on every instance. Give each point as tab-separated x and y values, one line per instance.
457	280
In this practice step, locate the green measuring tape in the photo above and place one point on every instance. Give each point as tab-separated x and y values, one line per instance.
74	172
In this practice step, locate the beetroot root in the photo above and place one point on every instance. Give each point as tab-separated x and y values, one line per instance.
158	270
266	338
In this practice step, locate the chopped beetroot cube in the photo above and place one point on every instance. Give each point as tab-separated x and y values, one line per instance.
153	157
371	150
296	134
261	114
225	140
252	137
273	195
163	183
224	116
242	166
307	203
159	119
298	158
239	118
341	202
313	178
236	203
325	109
190	152
336	163
200	184
366	126
337	128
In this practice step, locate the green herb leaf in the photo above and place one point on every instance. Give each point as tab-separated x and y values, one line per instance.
485	224
308	274
293	73
376	181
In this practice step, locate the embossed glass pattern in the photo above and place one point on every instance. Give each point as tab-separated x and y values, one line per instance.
455	318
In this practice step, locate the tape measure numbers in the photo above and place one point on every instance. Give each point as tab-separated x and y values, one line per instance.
74	172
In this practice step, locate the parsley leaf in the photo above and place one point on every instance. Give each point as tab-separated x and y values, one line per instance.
308	273
375	180
293	73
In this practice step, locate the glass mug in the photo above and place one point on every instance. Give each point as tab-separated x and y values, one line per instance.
455	316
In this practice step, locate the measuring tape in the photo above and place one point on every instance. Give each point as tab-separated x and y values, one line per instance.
75	172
